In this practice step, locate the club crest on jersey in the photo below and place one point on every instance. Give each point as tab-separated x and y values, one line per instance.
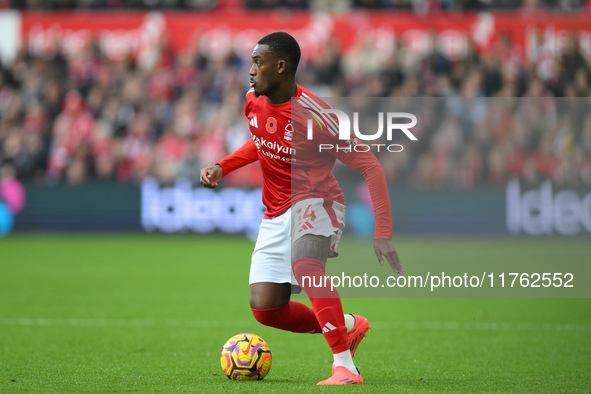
271	125
288	136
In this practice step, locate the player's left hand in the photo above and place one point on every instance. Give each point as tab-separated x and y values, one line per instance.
210	176
385	249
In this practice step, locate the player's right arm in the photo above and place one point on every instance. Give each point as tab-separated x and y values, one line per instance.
246	154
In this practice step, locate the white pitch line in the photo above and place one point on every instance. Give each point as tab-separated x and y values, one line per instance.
438	326
480	326
42	322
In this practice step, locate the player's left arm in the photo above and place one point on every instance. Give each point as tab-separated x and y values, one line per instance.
370	167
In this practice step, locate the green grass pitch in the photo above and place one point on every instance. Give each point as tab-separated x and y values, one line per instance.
145	313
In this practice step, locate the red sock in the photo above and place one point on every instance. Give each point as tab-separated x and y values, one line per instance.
293	316
325	301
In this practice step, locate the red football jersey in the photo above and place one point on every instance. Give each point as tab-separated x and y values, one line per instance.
272	129
293	167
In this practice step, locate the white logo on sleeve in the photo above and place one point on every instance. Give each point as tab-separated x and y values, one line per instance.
328	327
253	122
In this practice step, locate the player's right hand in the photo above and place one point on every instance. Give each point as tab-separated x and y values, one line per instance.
210	176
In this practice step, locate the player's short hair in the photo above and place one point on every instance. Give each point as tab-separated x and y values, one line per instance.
283	44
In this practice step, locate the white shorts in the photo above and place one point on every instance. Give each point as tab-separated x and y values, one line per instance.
271	259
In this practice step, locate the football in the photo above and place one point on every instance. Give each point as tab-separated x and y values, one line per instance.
246	357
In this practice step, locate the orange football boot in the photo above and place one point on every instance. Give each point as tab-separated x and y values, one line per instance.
341	376
358	332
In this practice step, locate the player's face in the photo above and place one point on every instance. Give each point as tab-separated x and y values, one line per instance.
263	72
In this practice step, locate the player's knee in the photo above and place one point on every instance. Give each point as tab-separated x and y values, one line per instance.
269	295
256	302
260	301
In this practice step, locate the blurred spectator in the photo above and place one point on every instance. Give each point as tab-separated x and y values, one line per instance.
274	4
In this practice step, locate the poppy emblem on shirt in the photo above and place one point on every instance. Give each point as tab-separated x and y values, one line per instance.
271	125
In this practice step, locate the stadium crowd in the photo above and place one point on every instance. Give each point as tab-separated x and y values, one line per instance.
87	118
418	6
